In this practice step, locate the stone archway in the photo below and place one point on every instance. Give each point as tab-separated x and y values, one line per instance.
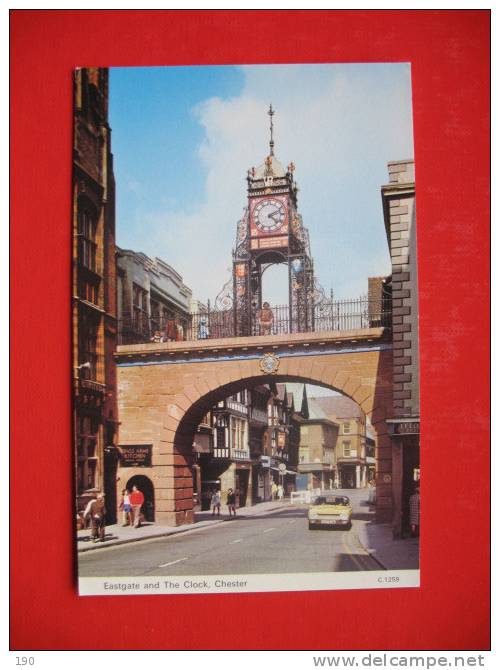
164	391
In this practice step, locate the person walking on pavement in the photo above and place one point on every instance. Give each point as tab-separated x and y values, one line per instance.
96	511
137	501
126	508
274	491
280	492
215	502
231	502
415	512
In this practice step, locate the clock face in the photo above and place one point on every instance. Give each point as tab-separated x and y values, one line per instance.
269	215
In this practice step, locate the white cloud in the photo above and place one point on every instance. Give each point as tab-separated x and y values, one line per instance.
340	125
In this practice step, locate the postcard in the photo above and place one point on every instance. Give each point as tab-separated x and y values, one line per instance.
245	329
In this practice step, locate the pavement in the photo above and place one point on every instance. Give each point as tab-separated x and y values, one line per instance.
270	536
377	539
117	534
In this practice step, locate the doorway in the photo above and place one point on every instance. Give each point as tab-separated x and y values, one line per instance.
145	485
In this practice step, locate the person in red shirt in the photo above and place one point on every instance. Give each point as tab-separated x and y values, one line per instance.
137	501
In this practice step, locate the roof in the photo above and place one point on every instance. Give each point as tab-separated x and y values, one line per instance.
315	411
281	388
277	169
338	406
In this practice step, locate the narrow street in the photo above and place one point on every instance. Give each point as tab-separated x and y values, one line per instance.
279	542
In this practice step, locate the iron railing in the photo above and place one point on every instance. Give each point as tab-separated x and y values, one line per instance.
328	316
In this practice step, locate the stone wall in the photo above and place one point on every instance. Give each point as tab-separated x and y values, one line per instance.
165	389
399	210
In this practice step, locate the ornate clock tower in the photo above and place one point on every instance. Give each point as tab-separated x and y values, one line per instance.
270	232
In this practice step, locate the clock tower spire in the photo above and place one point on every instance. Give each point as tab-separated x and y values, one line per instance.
271	232
271	141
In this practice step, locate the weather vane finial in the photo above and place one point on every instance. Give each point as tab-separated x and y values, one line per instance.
271	141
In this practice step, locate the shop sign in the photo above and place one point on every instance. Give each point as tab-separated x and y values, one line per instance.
265	461
407	428
136	455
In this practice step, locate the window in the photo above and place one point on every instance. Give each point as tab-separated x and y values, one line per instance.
87	346
346	427
87	246
88	429
89	291
155	316
140	308
346	449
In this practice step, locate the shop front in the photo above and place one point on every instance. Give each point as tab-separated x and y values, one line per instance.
405	440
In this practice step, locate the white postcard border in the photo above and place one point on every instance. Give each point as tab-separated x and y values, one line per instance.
186	584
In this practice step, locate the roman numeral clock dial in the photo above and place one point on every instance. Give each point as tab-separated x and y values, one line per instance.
269	215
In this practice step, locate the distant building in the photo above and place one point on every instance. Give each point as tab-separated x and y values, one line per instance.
318	439
153	301
283	437
351	445
228	446
398	198
246	442
94	291
153	305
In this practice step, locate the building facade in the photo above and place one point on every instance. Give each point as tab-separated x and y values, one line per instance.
154	304
353	458
247	442
318	438
398	198
94	292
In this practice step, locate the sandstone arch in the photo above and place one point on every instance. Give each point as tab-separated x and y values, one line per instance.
164	392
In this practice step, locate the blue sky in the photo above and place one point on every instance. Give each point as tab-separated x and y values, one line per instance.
184	137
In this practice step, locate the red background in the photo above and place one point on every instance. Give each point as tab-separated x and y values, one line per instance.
449	53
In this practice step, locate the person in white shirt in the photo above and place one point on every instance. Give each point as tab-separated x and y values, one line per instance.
97	513
215	503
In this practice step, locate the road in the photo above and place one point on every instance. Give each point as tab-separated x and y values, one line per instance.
279	542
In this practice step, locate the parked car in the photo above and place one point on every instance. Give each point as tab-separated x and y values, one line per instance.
330	510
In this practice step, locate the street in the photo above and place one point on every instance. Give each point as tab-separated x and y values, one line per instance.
279	542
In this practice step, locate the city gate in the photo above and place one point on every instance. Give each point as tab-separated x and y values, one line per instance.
170	374
165	389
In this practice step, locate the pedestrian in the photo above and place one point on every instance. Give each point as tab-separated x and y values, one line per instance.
171	330
203	332
280	492
126	508
266	318
231	502
274	490
137	501
157	337
96	511
215	502
415	512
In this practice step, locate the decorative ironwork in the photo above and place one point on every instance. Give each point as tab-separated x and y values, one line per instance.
224	299
327	316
